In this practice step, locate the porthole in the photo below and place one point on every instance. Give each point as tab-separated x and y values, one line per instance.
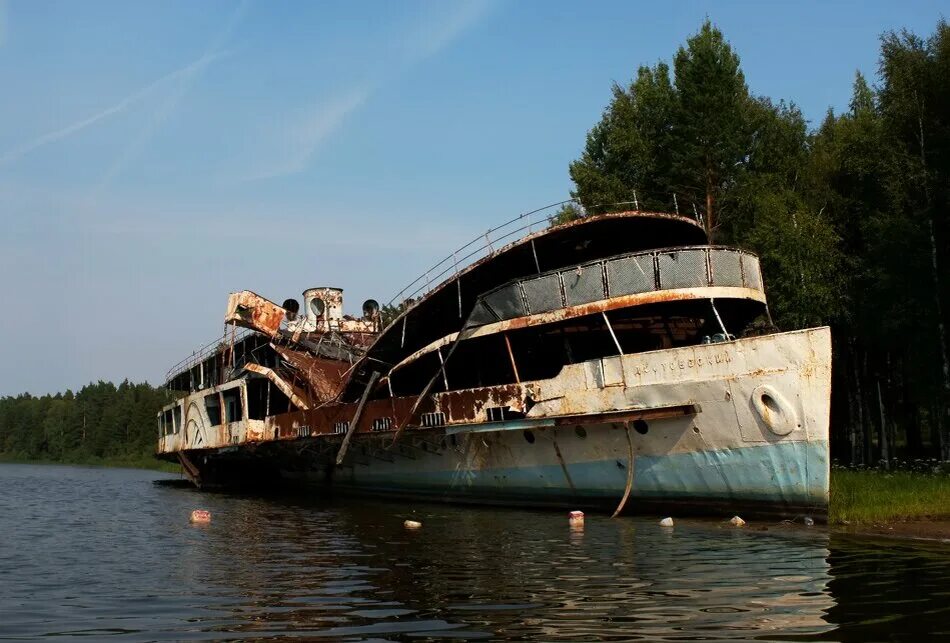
529	436
317	306
581	432
641	427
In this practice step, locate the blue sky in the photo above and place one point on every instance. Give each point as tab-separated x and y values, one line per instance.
156	156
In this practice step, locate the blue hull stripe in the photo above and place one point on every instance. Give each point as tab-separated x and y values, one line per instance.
790	473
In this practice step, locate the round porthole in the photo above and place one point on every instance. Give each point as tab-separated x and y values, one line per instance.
641	427
529	437
317	306
581	432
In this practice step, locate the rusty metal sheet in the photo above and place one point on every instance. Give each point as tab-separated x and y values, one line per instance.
323	376
249	310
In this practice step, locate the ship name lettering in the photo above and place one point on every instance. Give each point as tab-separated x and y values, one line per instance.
682	365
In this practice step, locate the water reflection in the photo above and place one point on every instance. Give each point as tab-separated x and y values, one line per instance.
130	566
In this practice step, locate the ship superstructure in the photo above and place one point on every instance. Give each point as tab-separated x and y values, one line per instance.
617	361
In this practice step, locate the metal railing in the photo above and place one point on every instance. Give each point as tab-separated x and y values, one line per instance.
484	245
628	274
206	351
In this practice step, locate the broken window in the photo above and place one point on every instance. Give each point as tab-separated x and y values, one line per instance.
213	408
232	405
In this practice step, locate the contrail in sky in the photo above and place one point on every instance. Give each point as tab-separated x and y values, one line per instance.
184	83
122	105
185	75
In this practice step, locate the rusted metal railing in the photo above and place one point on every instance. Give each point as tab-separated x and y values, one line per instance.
485	244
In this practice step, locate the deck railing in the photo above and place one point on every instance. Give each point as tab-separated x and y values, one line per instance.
628	274
206	351
481	246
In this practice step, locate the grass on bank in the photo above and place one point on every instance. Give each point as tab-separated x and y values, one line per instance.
862	497
126	461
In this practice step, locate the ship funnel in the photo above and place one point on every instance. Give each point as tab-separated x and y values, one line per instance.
323	303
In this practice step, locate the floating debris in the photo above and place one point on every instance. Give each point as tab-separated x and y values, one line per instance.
666	522
576	518
412	524
736	521
200	516
808	521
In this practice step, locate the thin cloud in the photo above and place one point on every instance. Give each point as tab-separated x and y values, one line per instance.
431	37
326	116
171	101
58	135
306	135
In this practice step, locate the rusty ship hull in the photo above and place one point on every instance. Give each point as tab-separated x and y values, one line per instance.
596	385
685	428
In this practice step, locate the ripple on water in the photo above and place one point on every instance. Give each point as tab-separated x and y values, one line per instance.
106	554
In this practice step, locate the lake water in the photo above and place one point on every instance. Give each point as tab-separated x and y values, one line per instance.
108	554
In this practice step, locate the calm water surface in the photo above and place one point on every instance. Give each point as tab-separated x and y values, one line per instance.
108	554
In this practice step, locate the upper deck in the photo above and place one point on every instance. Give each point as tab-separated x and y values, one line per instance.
443	308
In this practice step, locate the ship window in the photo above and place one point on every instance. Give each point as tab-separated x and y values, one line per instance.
258	402
232	405
641	427
317	306
213	407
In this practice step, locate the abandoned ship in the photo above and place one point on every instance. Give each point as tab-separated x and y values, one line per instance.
616	362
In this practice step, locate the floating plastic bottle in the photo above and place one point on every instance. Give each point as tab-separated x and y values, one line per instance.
411	524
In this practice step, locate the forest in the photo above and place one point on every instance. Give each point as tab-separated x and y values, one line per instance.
101	423
850	218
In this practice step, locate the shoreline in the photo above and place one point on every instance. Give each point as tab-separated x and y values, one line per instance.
99	463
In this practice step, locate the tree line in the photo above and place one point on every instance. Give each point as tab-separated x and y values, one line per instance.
849	219
101	421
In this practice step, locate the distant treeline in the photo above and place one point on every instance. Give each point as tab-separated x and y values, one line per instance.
851	220
101	422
